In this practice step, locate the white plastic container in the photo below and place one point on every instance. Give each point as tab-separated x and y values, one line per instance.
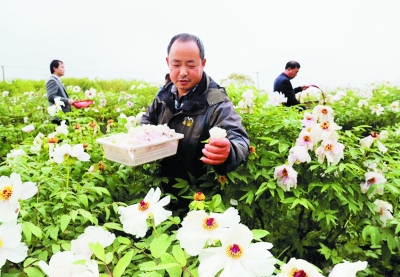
140	154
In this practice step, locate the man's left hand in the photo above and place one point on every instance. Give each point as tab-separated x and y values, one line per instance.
216	151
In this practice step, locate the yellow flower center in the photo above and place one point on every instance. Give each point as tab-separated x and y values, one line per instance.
222	179
309	129
308	117
143	205
6	193
1	243
234	251
297	273
199	196
307	138
329	147
324	111
325	125
210	223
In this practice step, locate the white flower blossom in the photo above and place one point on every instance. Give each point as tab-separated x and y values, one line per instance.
217	133
347	269
134	217
286	177
11	191
92	234
299	267
298	154
199	228
28	128
237	257
11	247
384	209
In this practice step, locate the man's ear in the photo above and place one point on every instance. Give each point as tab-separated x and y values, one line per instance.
167	60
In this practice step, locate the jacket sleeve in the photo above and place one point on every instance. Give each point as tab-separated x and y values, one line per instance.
52	89
227	118
287	89
151	117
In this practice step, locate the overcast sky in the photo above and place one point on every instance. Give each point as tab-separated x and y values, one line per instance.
338	43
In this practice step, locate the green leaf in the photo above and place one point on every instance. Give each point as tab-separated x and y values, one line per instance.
84	200
27	232
124	240
258	234
122	264
98	251
113	225
159	245
64	221
179	255
109	257
33	272
46	170
29	261
86	215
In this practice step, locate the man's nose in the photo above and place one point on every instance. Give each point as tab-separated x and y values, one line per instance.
183	71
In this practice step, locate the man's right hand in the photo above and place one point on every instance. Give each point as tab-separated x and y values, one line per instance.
70	101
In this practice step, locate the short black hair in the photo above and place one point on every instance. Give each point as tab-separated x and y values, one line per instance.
54	63
184	37
292	65
167	77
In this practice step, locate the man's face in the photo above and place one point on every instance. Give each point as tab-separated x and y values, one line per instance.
60	70
185	65
292	72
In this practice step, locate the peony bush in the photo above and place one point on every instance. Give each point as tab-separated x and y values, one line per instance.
319	195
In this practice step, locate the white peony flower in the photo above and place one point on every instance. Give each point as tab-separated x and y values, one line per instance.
325	130
11	247
373	178
323	113
11	191
331	150
275	99
395	106
91	93
134	217
62	129
347	269
308	120
362	103
199	228
28	128
299	267
286	177
15	153
305	139
298	154
384	135
37	143
384	209
237	257
92	234
76	89
65	150
62	264
217	133
377	109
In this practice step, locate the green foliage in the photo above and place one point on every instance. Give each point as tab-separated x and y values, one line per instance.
326	219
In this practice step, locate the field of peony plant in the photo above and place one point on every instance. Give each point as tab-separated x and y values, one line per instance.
319	195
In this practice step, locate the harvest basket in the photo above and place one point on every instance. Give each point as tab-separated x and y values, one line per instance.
312	103
140	154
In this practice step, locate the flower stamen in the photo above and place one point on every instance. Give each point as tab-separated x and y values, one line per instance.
234	251
297	273
143	205
6	193
210	223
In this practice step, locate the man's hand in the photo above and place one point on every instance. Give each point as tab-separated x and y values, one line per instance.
70	101
304	87
216	151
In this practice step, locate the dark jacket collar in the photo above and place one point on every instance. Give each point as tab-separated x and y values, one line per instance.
194	100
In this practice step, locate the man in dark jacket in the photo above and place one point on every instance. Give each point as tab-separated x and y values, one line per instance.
192	103
282	83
